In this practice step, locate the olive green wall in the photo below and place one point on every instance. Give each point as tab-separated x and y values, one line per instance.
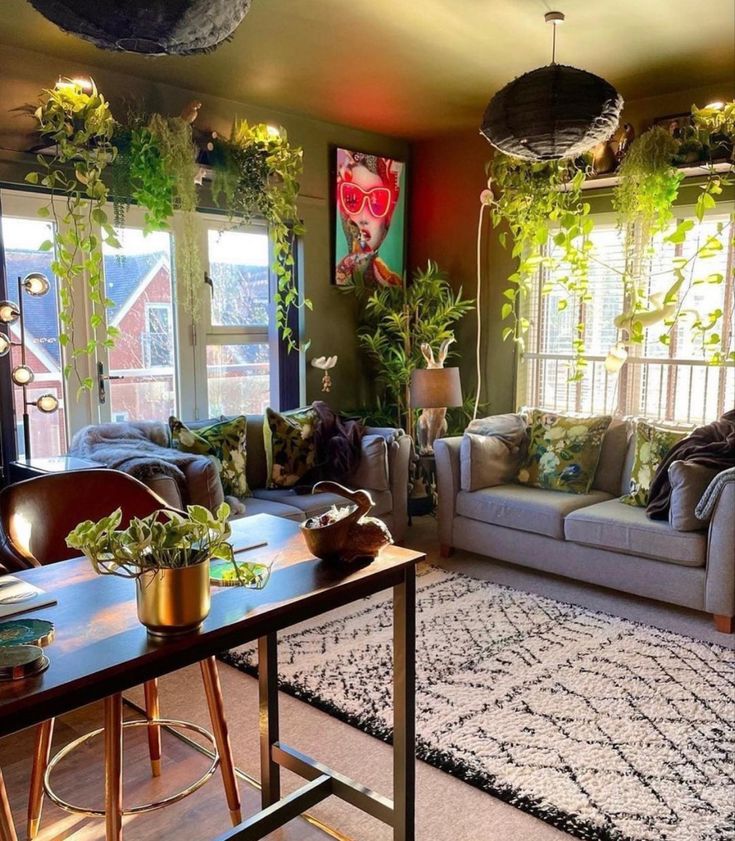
331	326
448	175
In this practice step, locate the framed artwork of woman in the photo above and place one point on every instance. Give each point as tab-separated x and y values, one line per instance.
369	221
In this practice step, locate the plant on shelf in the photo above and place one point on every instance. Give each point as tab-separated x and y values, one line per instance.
551	229
397	320
152	160
79	126
167	553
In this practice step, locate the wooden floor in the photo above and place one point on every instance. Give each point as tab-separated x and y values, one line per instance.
79	778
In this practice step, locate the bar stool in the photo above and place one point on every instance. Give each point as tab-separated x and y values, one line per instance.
35	517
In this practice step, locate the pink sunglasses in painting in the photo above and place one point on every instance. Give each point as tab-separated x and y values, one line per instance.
353	199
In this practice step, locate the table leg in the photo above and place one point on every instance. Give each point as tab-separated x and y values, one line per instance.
41	753
7	827
213	691
153	712
113	767
270	774
404	707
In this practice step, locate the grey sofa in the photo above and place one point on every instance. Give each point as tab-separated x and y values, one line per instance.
383	471
593	537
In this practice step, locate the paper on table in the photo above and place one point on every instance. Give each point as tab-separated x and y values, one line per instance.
18	596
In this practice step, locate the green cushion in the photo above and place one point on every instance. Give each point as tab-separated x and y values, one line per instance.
563	452
652	443
290	447
225	441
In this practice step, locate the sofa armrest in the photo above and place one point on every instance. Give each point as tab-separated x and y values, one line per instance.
720	585
399	460
166	488
446	453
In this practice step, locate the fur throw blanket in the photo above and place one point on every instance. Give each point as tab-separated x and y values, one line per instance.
712	445
140	449
338	442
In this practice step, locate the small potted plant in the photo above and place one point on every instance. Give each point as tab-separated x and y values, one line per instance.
168	554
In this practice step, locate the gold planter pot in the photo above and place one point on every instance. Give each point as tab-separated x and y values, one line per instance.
174	601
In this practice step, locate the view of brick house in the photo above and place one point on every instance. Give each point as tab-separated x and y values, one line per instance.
142	363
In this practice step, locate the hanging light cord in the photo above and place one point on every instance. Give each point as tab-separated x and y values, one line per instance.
478	360
553	43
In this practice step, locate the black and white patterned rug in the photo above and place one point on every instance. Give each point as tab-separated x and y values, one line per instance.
605	728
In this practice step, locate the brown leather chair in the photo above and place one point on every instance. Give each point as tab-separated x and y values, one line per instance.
35	517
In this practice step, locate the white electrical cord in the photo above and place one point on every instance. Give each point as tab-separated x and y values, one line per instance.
478	361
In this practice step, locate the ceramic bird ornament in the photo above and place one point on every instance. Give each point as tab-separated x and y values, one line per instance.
325	363
191	111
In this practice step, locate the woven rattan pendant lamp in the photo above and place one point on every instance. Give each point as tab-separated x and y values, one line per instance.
553	112
152	27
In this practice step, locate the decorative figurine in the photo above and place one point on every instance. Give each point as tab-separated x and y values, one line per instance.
325	363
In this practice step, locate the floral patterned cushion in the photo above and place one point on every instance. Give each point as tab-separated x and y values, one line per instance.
290	447
563	452
651	445
225	442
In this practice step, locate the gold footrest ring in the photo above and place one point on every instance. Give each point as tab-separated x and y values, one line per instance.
142	807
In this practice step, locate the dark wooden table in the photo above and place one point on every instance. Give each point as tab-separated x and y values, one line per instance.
101	650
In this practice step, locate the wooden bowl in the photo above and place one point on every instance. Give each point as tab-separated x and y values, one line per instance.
331	542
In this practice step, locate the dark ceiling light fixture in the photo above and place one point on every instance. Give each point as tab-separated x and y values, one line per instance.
151	27
553	112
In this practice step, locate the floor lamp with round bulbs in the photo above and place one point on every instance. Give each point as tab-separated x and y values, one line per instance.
36	285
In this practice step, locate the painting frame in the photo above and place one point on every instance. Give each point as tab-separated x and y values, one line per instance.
388	268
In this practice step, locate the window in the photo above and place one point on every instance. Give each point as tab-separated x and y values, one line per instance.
239	373
221	359
668	382
158	349
138	281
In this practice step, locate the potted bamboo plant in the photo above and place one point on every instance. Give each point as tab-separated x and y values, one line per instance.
168	555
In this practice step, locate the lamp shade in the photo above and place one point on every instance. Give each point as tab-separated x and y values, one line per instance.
435	388
154	27
552	113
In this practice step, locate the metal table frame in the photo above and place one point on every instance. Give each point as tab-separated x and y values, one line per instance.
322	781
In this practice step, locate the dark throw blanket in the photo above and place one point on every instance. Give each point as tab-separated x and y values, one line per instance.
712	445
338	442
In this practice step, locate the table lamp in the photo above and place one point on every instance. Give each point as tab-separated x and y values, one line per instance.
434	390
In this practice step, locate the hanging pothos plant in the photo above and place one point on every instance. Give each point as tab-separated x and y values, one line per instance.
153	161
256	173
79	125
551	227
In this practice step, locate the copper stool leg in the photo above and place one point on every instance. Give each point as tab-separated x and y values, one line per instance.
7	827
213	691
41	753
113	767
153	712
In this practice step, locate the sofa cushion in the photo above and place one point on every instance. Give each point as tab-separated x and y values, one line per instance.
526	509
688	482
609	473
225	440
491	451
203	484
372	470
290	446
625	528
563	451
652	442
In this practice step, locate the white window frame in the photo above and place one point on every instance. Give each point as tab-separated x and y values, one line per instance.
621	394
151	306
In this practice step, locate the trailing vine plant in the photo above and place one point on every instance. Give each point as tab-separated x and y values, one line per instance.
551	226
79	125
154	162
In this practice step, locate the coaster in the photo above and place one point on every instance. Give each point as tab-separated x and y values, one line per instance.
21	661
26	632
